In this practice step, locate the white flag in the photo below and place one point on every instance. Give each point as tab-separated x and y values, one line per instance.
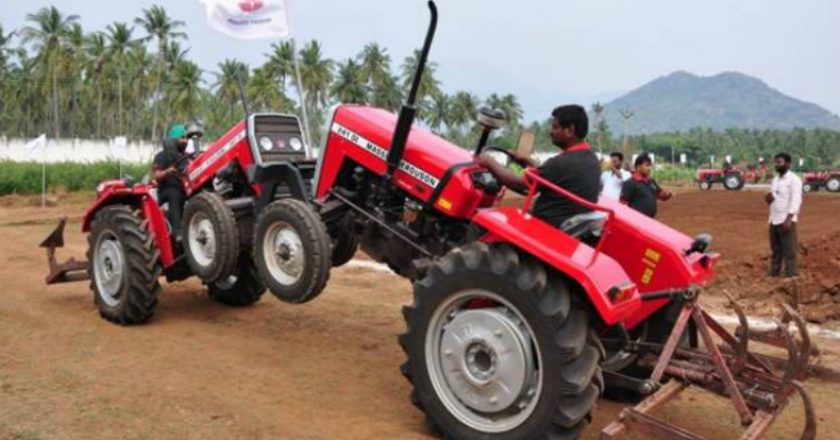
248	19
119	147
36	146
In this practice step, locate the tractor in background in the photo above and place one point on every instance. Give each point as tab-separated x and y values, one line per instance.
815	180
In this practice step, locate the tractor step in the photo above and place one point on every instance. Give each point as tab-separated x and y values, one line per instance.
758	388
68	271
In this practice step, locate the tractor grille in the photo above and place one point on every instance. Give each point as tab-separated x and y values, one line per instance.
278	138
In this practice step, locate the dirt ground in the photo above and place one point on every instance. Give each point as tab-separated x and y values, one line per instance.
324	370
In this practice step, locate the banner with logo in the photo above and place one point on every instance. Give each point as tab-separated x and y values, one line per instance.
248	19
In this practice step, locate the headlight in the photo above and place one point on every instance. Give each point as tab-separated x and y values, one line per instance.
296	144
266	144
99	189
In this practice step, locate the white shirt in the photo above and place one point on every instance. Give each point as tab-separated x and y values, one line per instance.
787	198
611	184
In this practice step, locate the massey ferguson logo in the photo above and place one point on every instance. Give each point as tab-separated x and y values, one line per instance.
250	6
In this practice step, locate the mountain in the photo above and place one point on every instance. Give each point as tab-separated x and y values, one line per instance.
681	101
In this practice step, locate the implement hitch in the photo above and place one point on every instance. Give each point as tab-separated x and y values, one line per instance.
68	271
758	388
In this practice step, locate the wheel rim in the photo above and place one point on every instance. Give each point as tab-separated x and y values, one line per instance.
833	185
227	283
482	362
283	253
202	239
731	182
704	185
108	268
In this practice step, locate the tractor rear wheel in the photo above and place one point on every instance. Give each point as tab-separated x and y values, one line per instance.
733	182
212	237
241	288
498	348
292	250
124	267
833	184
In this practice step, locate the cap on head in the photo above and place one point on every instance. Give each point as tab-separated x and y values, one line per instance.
177	131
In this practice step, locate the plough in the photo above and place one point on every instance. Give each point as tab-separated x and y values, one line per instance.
759	386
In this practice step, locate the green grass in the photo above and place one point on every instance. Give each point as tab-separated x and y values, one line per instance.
674	174
25	177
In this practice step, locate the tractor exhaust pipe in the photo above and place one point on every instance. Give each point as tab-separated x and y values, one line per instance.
409	110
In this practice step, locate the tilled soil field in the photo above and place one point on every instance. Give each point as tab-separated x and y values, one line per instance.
324	370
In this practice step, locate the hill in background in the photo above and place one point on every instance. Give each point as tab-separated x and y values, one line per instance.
681	101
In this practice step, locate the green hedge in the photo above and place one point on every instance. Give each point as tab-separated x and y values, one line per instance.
674	174
25	177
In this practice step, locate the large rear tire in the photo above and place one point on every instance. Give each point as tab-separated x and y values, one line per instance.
124	266
733	182
292	250
497	348
241	288
212	237
833	184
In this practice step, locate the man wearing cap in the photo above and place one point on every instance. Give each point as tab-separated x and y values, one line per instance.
168	166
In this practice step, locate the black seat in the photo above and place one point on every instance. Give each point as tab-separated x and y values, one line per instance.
586	224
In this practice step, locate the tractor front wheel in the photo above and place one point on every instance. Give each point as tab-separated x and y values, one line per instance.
292	250
241	288
499	348
124	267
212	237
704	185
807	187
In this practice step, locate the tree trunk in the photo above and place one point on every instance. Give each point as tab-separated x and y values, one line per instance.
98	109
119	101
157	93
56	124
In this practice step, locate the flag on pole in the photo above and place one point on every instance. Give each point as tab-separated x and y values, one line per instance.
36	146
119	147
248	19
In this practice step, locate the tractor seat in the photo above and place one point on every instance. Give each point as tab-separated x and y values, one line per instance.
586	224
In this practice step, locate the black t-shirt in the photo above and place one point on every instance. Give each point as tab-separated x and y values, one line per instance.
576	171
641	195
164	160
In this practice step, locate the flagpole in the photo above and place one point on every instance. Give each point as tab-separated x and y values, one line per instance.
301	93
44	175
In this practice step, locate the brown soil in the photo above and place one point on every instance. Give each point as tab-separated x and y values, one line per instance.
324	370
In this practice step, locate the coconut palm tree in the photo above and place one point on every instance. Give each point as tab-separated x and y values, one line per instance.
161	27
280	62
513	110
429	85
140	69
119	43
48	32
227	83
316	74
437	114
376	69
97	51
265	93
185	91
5	52
350	85
462	109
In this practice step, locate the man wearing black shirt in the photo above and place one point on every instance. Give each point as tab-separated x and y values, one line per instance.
641	192
576	169
168	167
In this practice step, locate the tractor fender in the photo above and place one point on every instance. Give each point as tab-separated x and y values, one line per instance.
595	272
139	198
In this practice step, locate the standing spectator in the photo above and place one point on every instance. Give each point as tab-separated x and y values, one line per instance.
613	178
784	200
641	192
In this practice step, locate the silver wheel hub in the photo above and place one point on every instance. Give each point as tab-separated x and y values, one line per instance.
202	239
833	184
283	252
108	267
483	362
732	182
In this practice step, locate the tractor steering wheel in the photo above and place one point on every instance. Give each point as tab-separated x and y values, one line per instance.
511	157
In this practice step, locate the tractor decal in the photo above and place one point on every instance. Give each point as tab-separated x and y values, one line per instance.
217	155
650	259
408	168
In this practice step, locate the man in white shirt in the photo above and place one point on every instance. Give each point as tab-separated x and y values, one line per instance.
613	178
785	200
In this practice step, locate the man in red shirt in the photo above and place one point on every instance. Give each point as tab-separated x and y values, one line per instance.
576	169
641	192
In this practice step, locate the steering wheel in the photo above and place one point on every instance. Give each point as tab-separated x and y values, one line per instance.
511	157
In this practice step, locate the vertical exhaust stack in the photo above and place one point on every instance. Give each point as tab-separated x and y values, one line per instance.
409	110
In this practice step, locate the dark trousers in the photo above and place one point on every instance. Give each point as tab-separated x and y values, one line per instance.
783	246
176	198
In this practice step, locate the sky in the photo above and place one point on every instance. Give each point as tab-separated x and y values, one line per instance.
546	52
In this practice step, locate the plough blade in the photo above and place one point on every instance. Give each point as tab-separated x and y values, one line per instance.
758	391
68	271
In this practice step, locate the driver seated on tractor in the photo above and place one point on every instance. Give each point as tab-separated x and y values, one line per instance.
169	165
576	169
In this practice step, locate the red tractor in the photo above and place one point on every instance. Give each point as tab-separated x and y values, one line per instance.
814	180
516	327
731	178
248	224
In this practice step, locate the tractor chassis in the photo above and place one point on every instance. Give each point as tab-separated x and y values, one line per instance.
759	391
